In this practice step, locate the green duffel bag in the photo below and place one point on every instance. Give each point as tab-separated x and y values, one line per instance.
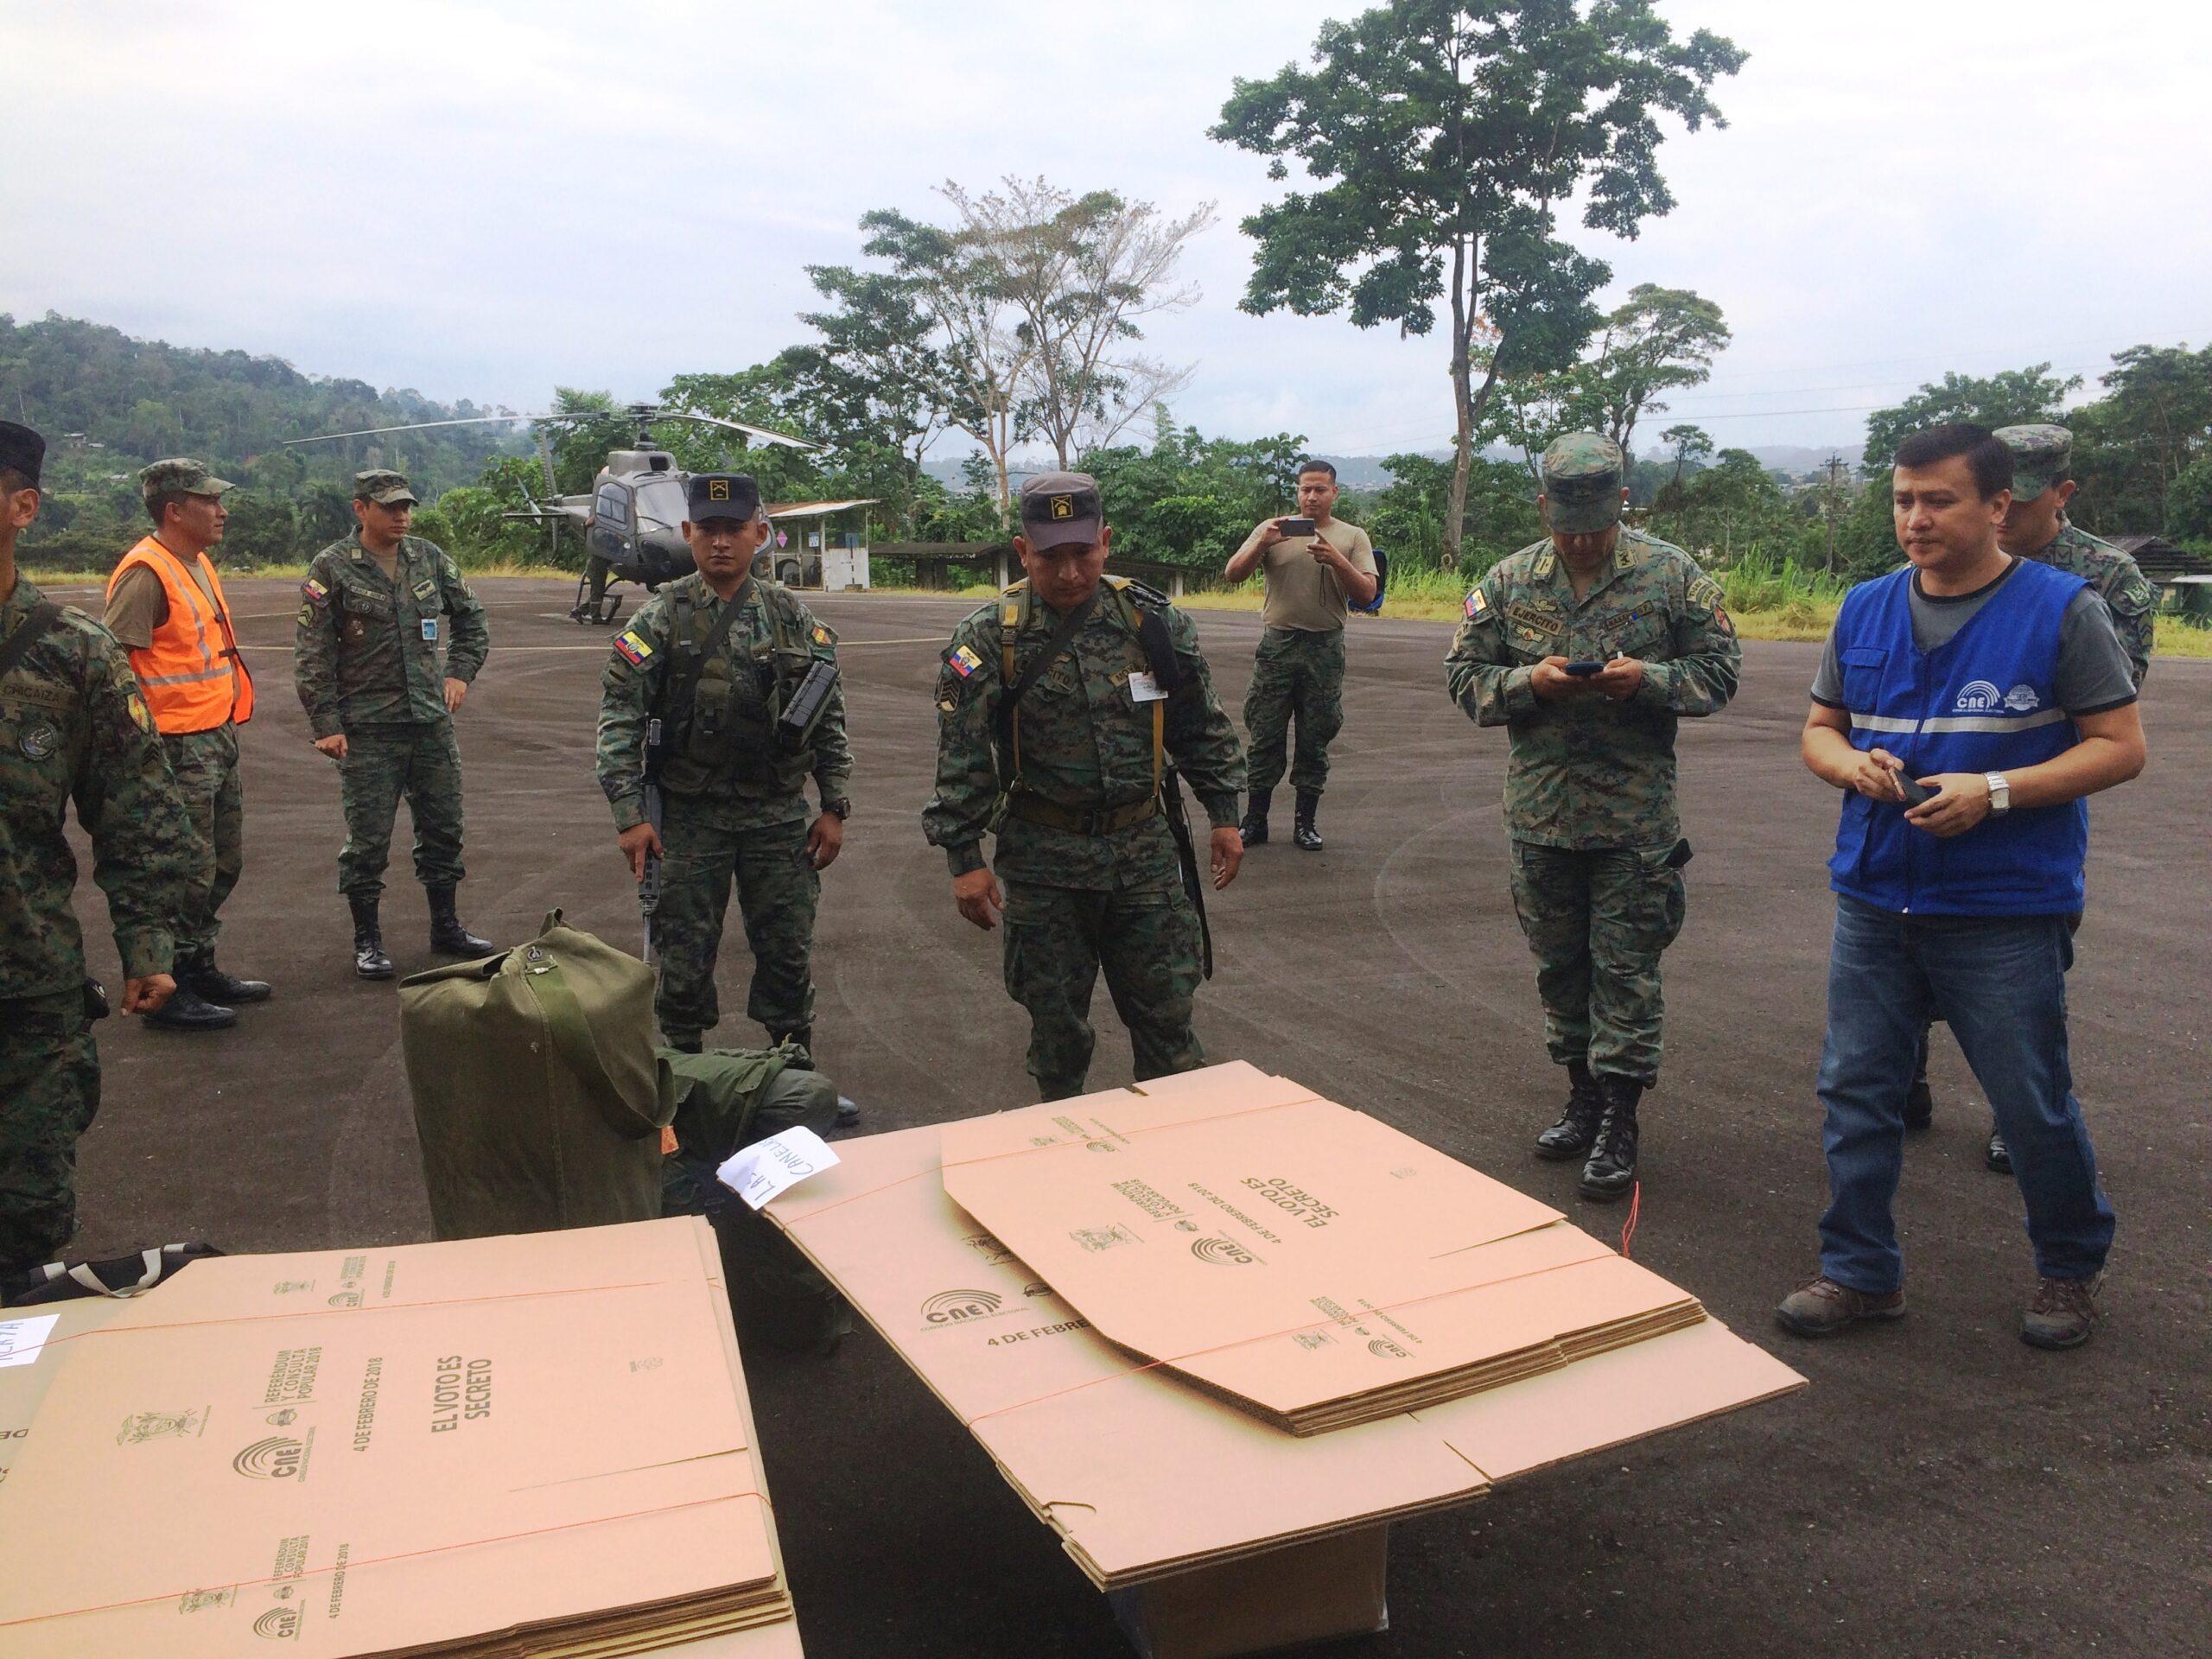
538	1098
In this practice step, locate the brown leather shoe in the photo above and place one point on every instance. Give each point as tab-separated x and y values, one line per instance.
1824	1307
2063	1314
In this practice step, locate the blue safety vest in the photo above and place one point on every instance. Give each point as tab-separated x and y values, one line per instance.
1985	701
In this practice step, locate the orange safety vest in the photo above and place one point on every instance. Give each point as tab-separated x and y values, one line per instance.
192	676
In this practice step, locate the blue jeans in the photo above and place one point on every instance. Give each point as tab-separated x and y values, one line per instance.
1999	983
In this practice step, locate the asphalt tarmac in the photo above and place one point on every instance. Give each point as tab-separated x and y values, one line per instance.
1940	1488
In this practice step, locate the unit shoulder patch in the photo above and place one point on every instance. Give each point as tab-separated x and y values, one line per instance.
823	635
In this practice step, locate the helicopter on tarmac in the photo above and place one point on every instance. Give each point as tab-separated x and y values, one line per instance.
631	518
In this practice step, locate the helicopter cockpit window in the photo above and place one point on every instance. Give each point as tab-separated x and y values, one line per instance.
614	506
661	503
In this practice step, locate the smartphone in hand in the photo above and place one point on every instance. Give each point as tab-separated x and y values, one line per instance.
1914	794
1583	666
1297	527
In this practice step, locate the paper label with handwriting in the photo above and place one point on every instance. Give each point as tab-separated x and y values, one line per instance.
758	1172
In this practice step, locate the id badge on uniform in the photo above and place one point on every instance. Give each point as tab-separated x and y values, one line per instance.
431	630
1143	687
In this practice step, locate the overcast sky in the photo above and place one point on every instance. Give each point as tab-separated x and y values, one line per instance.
486	200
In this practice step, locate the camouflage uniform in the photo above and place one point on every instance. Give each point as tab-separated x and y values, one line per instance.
1590	784
365	668
2042	455
732	805
72	726
1296	672
1077	901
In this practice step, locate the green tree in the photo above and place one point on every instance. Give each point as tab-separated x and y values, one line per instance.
1657	341
2134	445
1443	138
2015	397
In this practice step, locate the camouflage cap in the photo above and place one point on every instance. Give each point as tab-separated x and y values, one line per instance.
1059	510
1582	474
180	477
722	495
383	486
2041	456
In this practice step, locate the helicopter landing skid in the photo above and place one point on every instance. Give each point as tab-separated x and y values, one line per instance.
601	612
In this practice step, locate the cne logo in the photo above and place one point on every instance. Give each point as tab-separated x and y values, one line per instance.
278	1457
1222	1252
1979	697
1383	1348
2022	698
278	1623
951	1307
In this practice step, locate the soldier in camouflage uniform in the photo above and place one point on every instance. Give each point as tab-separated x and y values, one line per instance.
1077	795
72	726
2036	527
1597	845
375	609
716	658
1299	670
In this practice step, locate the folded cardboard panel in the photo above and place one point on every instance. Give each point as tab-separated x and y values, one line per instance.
420	1449
1281	1250
1145	1476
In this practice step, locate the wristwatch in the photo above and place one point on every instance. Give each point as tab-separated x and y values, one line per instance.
843	808
2000	794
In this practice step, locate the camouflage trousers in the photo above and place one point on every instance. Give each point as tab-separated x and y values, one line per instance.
1598	921
1297	674
777	891
1058	938
206	767
382	763
49	1090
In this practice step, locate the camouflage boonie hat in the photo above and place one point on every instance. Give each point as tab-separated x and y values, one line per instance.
1582	475
1059	510
383	486
2041	456
180	477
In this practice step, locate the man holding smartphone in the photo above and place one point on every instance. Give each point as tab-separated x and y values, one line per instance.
1588	648
1316	566
1999	684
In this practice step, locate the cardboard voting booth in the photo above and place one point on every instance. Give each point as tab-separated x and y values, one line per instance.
1171	1474
501	1446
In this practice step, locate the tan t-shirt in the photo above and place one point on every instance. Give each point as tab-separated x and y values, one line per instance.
140	604
1302	591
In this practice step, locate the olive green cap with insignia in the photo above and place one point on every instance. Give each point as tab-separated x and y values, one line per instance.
1059	510
1582	474
179	476
2041	456
383	486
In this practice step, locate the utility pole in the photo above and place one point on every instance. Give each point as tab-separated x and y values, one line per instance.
1835	464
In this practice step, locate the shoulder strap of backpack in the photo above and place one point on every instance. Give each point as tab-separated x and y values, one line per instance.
42	616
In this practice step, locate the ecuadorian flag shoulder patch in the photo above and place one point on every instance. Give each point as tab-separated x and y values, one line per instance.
963	662
315	592
1477	606
631	649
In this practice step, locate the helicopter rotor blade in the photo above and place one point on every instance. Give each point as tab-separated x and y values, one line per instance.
420	426
760	433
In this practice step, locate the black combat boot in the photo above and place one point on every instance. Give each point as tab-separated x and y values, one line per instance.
186	1010
1255	827
211	984
848	1109
447	937
1303	832
1577	1129
369	959
1611	1169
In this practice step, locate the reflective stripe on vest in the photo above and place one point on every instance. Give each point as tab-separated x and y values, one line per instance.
192	675
1987	699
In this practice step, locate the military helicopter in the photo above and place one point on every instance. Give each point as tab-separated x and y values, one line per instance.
631	518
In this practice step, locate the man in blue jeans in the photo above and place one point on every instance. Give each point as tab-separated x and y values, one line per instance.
1967	705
